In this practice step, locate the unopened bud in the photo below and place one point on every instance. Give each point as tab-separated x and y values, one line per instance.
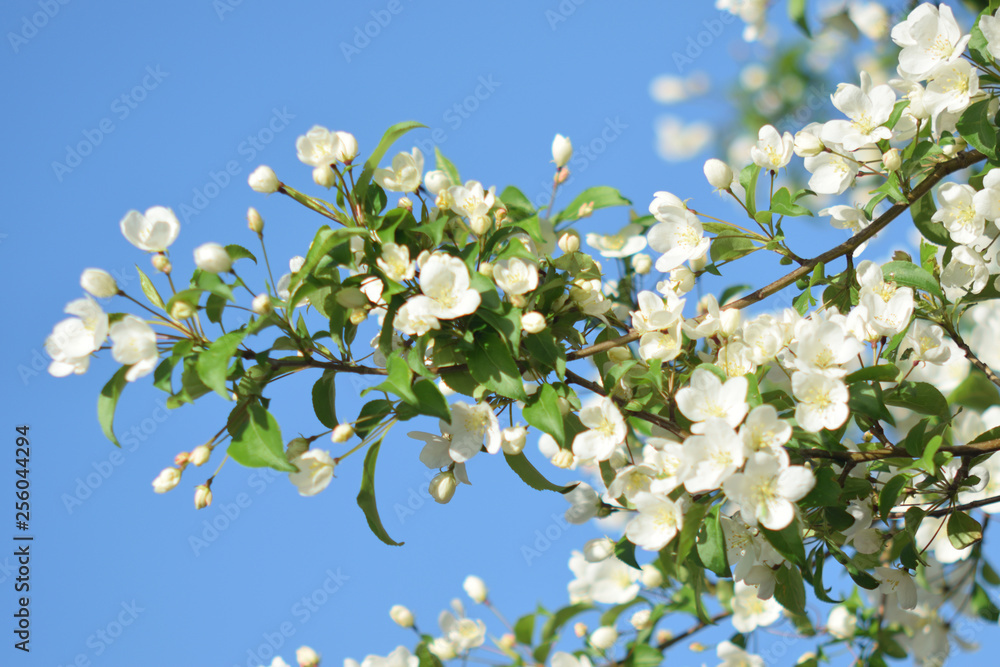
402	616
182	459
586	210
533	322
651	576
358	315
642	263
342	433
718	174
562	151
512	439
261	304
480	224
891	160
561	176
199	455
518	300
407	203
348	147
956	148
254	221
202	496
563	459
569	242
698	263
596	550
580	629
507	642
442	487
305	656
604	638
620	354
166	480
663	636
442	648
697	647
264	180
324	177
161	263
486	269
807	144
564	407
181	310
641	619
475	588
500	214
99	283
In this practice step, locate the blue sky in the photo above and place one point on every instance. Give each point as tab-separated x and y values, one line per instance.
115	106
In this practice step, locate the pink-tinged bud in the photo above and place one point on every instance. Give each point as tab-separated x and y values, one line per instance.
580	629
586	210
202	496
261	304
475	588
161	263
562	151
561	176
891	160
407	203
199	455
99	283
264	180
305	655
500	214
254	221
166	480
182	459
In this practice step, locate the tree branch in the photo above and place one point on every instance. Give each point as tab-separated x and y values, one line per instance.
895	451
658	420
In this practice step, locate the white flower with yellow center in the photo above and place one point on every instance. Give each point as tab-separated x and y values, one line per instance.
821	401
319	147
444	281
889	307
823	347
950	88
708	398
404	175
133	343
472	427
831	173
515	276
625	243
867	107
713	457
897	586
606	430
768	489
958	213
966	272
315	471
749	611
609	581
395	262
658	521
773	151
655	313
763	431
662	345
679	235
929	36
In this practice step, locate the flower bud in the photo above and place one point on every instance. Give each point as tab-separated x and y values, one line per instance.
407	203
181	310
213	258
512	439
642	263
640	619
358	315
305	655
261	304
161	263
533	322
296	447
807	144
580	629
956	148
718	173
569	242
663	636
202	496
199	455
586	210
603	638
166	480
698	263
602	548
651	576
437	181
683	279
442	487
254	221
620	354
263	179
562	151
499	214
99	283
507	642
480	224
402	616
563	459
181	460
891	160
348	147
442	648
561	176
342	433
324	177
486	269
697	647
475	588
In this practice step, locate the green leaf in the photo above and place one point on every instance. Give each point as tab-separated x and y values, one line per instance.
324	399
976	126
517	202
712	549
239	252
149	289
788	542
398	380
976	392
445	165
258	444
388	139
890	494
625	552
602	196
213	363
730	248
493	367
542	412
644	655
880	373
430	400
371	415
689	530
963	530
920	397
922	211
520	464
524	629
326	239
797	13
867	400
561	617
748	179
790	591
366	497
783	204
107	402
911	275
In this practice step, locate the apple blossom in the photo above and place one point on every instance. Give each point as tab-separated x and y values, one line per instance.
822	401
213	258
625	243
966	272
98	283
134	344
515	276
609	581
806	142
199	455
315	471
463	633
599	549
734	656
708	397
768	489
773	151
166	480
347	149
718	174
657	522
154	231
475	588
562	151
533	322
958	212
749	611
832	173
405	174
713	456
395	262
444	281
678	235
897	586
868	108
929	36
402	616
264	180
606	429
